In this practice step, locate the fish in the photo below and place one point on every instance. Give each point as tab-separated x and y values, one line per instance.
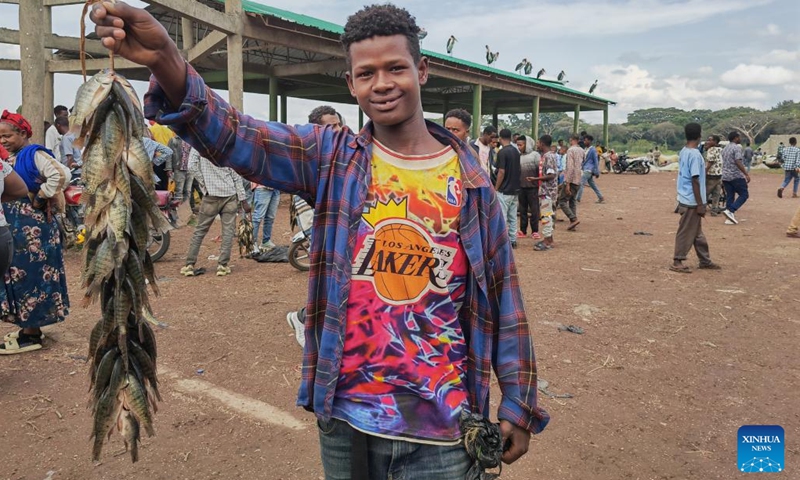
107	410
134	399
121	211
89	96
128	426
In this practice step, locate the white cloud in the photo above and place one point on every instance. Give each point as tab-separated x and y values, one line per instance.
757	75
773	29
705	70
778	57
634	88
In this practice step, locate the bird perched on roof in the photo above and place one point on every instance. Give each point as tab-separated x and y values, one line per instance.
594	85
491	57
561	75
541	72
422	34
523	65
528	68
451	42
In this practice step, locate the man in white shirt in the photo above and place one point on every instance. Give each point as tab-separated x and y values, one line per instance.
51	136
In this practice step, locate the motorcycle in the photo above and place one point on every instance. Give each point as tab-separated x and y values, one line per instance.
73	232
301	216
640	166
158	242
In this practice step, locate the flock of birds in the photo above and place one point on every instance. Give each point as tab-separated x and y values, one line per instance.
523	67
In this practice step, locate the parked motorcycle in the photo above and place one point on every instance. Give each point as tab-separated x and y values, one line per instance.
158	243
301	217
640	166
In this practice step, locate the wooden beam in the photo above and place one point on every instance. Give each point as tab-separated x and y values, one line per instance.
57	42
200	13
187	33
58	3
6	64
235	58
32	65
310	68
255	28
205	47
221	76
92	64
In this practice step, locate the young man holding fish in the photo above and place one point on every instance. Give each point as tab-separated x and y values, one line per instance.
402	341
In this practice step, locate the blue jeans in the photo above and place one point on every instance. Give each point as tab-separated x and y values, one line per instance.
510	204
265	206
387	459
789	175
735	193
588	177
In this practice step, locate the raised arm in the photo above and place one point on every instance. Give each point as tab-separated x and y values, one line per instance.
270	154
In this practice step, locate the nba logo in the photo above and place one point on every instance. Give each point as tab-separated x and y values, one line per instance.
454	191
761	449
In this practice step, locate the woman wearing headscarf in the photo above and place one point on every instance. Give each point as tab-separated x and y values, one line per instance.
34	291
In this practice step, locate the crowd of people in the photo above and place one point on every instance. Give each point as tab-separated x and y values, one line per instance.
413	296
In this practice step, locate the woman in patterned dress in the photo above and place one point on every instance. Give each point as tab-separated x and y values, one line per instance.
34	291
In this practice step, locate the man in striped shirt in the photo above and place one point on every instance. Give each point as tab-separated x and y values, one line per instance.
791	167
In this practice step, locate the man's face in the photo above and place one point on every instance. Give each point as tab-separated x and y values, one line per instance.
457	128
329	119
62	129
385	79
553	148
493	140
521	145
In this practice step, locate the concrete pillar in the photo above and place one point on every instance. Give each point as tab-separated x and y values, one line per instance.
235	60
535	118
284	113
49	77
360	119
273	99
32	64
187	32
576	120
606	140
477	114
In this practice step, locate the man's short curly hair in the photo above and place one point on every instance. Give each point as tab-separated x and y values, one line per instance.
460	114
316	115
382	21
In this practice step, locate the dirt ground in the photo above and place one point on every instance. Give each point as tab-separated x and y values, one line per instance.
668	368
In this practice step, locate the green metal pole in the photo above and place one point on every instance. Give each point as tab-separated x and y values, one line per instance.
273	99
477	98
284	113
606	140
535	118
576	120
445	107
495	120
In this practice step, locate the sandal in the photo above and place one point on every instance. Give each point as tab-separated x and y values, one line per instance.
23	343
540	247
16	334
681	269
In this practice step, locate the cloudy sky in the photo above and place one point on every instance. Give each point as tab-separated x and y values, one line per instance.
644	53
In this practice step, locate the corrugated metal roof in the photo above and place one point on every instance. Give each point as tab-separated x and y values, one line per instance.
251	6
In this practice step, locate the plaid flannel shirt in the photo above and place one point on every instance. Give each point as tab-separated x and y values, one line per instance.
332	170
791	158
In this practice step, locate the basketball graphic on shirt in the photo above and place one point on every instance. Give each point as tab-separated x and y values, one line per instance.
404	279
401	260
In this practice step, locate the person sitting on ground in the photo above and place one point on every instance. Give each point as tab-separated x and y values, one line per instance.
691	205
400	177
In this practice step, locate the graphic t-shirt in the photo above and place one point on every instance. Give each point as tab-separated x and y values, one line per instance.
403	369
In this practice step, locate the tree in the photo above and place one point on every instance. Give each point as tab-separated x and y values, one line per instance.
751	126
665	133
548	122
